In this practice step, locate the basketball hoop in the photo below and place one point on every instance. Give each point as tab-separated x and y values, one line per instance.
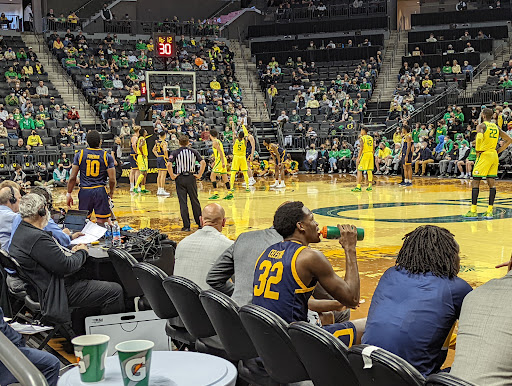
177	102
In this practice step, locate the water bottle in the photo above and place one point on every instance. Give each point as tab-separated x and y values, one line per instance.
116	235
334	233
108	235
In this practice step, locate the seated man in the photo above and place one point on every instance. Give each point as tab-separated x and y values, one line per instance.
425	158
287	273
45	362
417	302
484	341
382	157
62	236
50	269
9	206
197	253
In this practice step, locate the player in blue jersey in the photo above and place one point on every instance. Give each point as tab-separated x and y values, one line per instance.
95	166
286	273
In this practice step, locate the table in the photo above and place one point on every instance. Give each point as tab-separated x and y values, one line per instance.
171	368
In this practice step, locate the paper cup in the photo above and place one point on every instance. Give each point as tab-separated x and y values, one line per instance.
90	352
135	360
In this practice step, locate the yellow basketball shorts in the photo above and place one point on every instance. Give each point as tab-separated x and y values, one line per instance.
218	169
142	163
366	162
486	165
239	164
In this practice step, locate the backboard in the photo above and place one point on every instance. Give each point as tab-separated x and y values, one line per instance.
161	85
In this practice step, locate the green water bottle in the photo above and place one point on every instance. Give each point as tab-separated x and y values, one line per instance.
329	232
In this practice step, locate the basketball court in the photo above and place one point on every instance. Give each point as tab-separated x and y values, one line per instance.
386	214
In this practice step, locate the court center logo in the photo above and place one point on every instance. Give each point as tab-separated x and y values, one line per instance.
370	212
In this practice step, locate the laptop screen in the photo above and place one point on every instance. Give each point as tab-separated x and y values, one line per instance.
75	220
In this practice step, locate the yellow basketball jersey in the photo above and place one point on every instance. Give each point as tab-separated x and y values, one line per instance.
144	151
366	144
239	148
218	154
489	139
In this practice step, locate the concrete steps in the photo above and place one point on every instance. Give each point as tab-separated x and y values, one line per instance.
254	99
394	49
71	95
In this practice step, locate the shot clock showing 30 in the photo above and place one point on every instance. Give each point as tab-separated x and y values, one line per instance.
165	47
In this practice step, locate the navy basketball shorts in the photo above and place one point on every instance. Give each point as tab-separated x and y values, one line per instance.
94	200
346	332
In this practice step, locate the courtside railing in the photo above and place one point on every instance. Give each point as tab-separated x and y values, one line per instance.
430	109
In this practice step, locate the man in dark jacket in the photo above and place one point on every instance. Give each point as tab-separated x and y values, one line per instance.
449	157
425	158
45	362
45	263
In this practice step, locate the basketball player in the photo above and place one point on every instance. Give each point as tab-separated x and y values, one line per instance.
239	161
95	166
142	162
365	160
250	147
286	273
487	162
219	166
279	155
134	170
407	146
160	151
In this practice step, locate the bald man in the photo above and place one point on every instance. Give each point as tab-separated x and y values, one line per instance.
9	206
196	253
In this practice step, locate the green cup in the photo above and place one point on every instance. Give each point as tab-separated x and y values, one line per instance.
135	359
90	352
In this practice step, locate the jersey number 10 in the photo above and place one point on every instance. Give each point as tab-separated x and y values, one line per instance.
93	168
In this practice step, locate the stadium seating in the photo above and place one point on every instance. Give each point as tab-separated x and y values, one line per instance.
150	279
185	296
269	334
375	366
323	355
223	313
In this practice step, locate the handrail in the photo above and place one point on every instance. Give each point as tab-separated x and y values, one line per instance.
427	105
18	364
483	66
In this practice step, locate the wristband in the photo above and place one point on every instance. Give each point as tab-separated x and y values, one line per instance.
68	194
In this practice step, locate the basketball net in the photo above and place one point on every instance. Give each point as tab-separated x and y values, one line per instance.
177	103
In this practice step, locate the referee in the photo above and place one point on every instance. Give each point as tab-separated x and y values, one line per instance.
185	178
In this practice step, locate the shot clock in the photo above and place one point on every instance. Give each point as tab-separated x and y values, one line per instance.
164	45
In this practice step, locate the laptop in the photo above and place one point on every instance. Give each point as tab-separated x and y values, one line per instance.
75	220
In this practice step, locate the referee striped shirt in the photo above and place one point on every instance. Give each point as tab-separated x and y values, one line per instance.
185	159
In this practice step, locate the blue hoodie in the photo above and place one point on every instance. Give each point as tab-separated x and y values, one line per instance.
440	145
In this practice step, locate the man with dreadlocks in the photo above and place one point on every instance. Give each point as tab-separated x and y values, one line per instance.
417	302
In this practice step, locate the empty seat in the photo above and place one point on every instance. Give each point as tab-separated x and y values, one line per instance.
150	279
269	334
224	316
184	295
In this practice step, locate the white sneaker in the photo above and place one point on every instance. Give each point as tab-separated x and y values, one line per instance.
159	192
252	181
164	193
243	183
275	184
131	187
281	185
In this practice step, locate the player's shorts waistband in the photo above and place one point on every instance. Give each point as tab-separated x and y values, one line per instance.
93	187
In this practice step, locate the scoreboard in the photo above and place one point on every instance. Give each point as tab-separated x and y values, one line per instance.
165	46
